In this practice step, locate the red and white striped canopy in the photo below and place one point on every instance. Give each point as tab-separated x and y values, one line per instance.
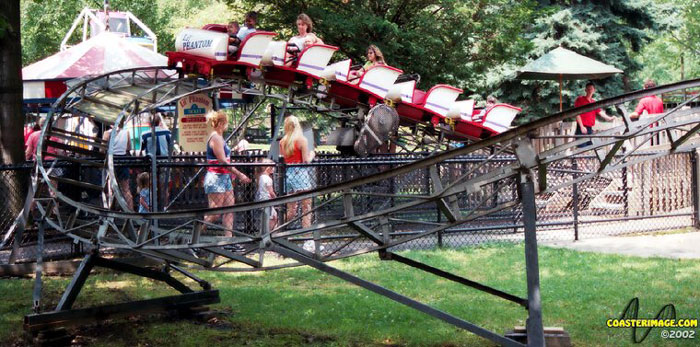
101	54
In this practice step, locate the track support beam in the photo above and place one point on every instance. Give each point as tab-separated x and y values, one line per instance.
446	317
535	330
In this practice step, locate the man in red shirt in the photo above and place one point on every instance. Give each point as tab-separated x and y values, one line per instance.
585	121
652	104
33	141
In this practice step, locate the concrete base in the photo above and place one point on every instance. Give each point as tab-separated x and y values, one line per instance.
553	336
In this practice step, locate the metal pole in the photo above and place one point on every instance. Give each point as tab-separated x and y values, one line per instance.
625	192
574	202
273	122
154	167
695	158
535	331
38	283
275	144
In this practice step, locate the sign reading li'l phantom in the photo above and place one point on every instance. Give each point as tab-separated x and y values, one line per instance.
191	113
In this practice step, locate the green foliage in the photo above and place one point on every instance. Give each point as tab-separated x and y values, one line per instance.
675	54
445	41
606	31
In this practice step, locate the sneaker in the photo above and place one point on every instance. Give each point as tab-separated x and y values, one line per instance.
236	248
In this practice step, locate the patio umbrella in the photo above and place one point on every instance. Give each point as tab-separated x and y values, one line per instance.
562	64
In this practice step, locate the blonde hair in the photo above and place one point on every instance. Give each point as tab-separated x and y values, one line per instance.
292	132
142	180
262	168
304	18
214	118
377	53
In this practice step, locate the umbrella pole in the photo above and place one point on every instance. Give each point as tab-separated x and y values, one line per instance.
561	108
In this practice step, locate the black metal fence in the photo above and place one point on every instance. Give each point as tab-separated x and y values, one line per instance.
660	194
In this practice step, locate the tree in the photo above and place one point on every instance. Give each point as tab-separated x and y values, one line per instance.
445	41
675	54
608	31
11	120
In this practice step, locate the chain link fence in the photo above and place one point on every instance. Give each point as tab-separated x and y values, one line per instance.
660	194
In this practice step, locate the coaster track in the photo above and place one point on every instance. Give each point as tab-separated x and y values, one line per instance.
445	191
187	238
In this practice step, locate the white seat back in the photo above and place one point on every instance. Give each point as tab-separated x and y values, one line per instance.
337	71
314	59
379	79
342	69
499	117
275	53
254	46
203	43
402	91
462	109
440	98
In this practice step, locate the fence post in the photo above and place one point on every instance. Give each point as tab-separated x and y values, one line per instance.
694	159
437	209
625	192
574	201
282	173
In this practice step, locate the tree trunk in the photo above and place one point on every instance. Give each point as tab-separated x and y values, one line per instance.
11	119
12	182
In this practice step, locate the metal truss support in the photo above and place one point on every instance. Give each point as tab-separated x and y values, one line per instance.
535	330
63	315
93	260
43	321
446	317
452	277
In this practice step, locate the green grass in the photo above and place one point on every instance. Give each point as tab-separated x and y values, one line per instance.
302	306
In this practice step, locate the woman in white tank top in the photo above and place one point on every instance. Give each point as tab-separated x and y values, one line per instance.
121	143
305	37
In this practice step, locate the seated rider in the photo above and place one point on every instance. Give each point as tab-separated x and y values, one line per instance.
237	35
491	101
374	58
250	21
305	38
232	29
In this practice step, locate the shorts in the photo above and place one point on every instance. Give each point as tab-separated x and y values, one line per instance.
217	183
579	132
299	178
122	172
272	212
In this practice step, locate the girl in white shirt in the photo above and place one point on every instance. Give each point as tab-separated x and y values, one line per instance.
266	190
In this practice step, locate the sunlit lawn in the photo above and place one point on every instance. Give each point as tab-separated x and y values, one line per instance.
302	306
